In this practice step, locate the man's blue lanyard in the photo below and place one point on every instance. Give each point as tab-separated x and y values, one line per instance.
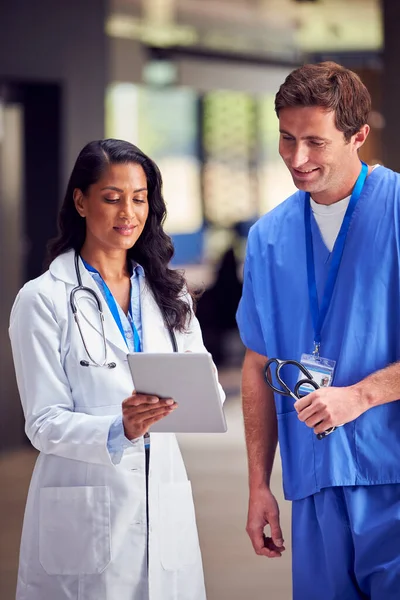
114	310
318	315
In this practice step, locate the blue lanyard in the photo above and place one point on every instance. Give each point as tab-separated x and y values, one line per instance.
318	315
114	310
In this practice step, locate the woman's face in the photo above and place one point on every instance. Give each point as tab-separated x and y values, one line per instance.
115	207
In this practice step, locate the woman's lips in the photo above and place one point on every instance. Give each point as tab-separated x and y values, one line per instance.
125	229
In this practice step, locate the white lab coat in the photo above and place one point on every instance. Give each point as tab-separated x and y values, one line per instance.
85	534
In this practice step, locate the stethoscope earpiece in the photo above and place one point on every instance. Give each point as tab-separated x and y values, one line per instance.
86	363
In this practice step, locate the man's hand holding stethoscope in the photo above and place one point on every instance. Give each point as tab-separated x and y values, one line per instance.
323	410
330	407
141	411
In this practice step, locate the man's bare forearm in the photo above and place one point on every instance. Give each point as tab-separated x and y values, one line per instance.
379	388
260	420
333	406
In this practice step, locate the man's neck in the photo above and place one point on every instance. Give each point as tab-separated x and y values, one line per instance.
328	197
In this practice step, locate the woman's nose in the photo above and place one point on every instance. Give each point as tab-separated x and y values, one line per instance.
127	211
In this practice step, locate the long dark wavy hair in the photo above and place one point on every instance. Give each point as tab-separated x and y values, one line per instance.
153	250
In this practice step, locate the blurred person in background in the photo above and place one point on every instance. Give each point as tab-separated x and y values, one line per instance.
110	512
322	282
217	308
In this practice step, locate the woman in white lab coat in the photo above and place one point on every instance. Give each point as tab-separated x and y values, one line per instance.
91	531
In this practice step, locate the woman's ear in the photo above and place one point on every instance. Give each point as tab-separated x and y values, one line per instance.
79	202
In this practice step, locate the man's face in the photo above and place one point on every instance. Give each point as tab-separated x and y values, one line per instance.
314	150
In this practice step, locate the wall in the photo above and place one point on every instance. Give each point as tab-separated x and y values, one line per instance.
60	41
43	42
391	85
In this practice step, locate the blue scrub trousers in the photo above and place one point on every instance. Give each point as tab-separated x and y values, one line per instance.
346	544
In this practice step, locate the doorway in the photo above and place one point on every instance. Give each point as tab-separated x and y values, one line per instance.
30	174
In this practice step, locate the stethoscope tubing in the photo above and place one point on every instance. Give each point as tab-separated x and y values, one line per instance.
74	307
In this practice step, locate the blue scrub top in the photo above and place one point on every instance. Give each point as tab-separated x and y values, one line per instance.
361	331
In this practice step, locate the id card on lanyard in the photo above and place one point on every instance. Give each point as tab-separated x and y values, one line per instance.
321	368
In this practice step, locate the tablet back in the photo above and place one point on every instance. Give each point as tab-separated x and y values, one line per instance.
188	378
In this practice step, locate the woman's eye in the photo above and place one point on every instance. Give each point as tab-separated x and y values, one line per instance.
139	200
111	200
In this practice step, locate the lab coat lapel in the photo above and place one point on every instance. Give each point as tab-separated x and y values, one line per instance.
155	336
63	267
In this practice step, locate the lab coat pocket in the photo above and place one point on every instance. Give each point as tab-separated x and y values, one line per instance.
179	542
74	530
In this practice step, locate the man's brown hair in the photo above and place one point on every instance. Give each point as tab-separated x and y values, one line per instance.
332	87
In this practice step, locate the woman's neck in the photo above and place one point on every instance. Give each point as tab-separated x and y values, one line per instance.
111	264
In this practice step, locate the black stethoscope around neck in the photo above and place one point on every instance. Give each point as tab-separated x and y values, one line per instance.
74	307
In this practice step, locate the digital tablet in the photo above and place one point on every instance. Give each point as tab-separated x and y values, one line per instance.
190	379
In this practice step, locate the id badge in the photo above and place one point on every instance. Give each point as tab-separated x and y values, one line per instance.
321	370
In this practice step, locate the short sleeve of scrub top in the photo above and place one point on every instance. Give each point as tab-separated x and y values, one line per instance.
247	314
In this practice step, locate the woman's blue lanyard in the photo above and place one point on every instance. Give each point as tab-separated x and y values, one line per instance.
114	310
318	315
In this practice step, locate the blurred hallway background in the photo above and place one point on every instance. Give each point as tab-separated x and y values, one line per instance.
192	83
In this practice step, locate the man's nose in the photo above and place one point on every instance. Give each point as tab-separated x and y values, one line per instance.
299	156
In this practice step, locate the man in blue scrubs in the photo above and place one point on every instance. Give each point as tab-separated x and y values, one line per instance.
322	278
